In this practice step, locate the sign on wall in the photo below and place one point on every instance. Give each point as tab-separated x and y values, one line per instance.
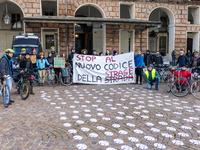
104	70
59	62
33	59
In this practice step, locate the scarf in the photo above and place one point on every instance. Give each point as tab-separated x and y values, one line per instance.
195	61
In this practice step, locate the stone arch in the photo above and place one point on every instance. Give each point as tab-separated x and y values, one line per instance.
12	1
93	5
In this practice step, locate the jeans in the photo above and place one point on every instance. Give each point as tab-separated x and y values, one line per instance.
9	83
157	80
174	61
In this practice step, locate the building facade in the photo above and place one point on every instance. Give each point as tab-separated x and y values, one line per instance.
105	24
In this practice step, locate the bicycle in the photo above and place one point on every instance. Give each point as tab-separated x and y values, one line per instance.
162	71
195	87
5	91
66	79
52	78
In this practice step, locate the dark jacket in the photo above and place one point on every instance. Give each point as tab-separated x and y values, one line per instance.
70	57
26	64
53	54
189	54
173	54
50	60
198	62
21	56
6	67
147	59
182	60
157	60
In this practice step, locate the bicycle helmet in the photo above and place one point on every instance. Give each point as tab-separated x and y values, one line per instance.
52	47
23	49
10	51
41	53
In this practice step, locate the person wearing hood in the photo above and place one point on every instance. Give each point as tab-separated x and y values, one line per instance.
147	58
6	69
21	56
114	53
71	56
138	66
182	60
53	51
157	59
26	63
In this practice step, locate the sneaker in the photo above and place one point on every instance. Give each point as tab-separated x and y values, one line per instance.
156	88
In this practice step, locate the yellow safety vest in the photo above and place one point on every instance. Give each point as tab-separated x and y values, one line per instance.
153	74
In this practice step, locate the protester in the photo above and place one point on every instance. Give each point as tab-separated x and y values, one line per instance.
138	66
195	60
101	54
183	74
157	59
84	52
194	52
71	56
182	60
26	63
147	58
95	53
189	55
50	60
6	69
21	56
53	51
152	76
114	53
57	70
33	52
107	52
41	62
173	57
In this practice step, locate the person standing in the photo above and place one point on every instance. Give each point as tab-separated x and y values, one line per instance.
57	70
151	76
6	69
95	53
194	52
114	53
189	55
173	57
195	60
182	60
157	59
107	52
138	67
71	57
147	58
53	51
26	63
21	56
101	54
33	52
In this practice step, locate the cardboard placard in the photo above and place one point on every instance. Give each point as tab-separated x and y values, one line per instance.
59	62
33	59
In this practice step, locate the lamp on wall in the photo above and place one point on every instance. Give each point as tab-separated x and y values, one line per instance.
76	35
6	17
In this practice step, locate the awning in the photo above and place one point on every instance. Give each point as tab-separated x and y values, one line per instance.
113	21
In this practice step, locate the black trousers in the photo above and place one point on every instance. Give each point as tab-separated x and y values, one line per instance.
182	86
139	73
57	72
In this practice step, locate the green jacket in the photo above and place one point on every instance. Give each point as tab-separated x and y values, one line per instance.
150	76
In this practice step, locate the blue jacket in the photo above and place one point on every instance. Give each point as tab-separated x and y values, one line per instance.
41	63
138	61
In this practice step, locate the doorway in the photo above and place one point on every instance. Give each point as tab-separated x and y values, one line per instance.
162	43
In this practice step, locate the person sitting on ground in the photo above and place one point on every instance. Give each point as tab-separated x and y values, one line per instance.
95	53
21	56
115	53
152	76
26	63
157	59
101	54
138	66
41	62
182	60
181	74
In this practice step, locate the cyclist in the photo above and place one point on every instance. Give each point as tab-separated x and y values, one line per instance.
27	63
151	76
21	56
6	69
53	51
181	74
41	66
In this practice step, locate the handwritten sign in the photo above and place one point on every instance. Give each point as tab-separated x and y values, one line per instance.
119	69
33	59
59	62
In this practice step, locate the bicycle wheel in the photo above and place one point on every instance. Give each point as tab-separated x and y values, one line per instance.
180	87
168	84
5	93
24	90
52	79
195	89
36	80
66	80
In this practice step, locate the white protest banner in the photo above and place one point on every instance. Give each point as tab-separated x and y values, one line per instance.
104	70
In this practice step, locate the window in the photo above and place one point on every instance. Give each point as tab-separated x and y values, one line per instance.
127	10
49	7
16	21
193	15
49	41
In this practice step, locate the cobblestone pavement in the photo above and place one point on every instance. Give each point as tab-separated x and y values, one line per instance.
99	117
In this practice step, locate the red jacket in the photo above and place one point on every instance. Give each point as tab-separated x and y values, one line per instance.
182	74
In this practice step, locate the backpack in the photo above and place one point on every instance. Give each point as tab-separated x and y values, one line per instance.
64	72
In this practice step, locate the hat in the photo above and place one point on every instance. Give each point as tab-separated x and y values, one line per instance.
114	52
41	53
9	51
52	47
32	49
23	49
139	51
72	48
150	65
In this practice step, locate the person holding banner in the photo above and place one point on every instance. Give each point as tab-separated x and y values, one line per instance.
84	52
95	53
114	53
138	66
152	76
107	52
57	70
101	54
71	56
33	52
